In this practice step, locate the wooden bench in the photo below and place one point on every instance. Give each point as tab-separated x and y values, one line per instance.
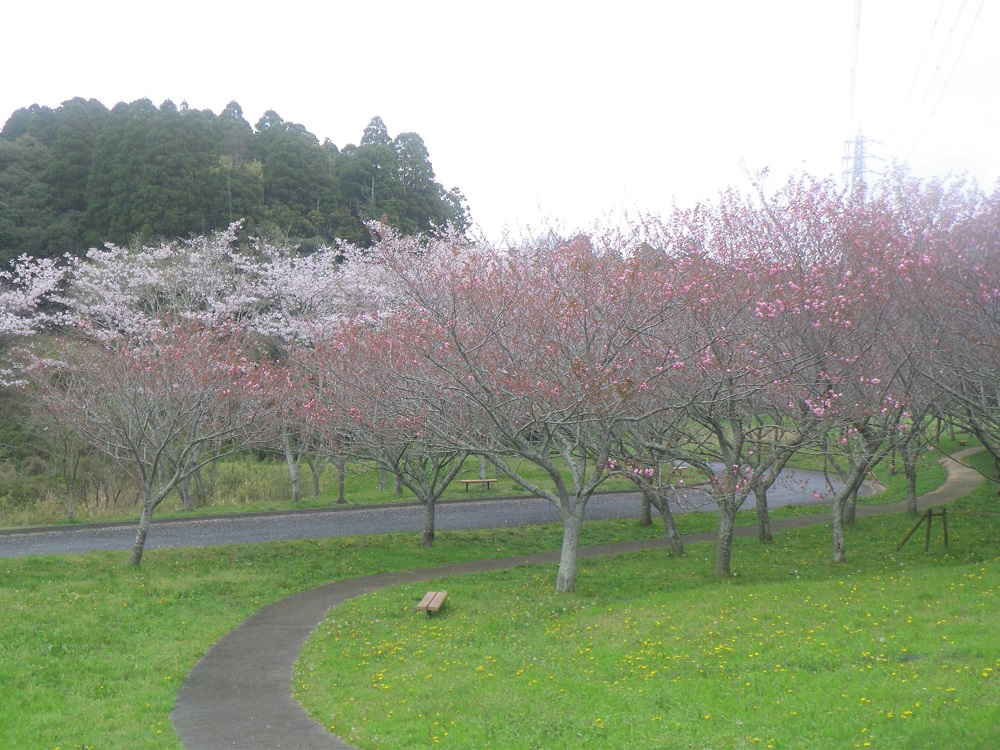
432	601
487	482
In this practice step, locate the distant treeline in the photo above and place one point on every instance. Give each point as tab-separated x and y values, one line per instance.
80	175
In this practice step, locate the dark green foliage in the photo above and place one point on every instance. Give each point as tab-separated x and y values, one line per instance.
81	174
29	223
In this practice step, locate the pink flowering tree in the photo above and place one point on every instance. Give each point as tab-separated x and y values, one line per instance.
299	301
286	298
545	352
153	405
745	386
372	401
953	289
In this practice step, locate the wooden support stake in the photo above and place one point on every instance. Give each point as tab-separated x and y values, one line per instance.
910	533
928	516
927	536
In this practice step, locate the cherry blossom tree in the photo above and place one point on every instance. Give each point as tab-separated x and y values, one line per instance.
749	388
953	288
371	400
26	291
154	404
287	298
545	350
132	291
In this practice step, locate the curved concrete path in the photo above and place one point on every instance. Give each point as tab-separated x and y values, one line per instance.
239	694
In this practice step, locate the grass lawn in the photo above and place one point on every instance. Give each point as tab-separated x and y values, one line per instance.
248	486
92	652
893	650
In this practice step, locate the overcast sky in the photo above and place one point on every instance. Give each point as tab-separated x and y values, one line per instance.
541	112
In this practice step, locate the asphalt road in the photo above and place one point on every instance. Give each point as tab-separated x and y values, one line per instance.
347	521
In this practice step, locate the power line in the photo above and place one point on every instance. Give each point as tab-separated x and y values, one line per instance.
934	75
855	45
944	88
923	55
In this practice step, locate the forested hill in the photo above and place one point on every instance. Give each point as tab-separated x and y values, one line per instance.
80	175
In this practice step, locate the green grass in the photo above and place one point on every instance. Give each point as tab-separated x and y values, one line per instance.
92	652
892	650
903	658
249	486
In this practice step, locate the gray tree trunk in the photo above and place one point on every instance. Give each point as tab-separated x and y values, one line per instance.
427	539
341	463
724	541
145	519
910	467
763	516
646	511
839	510
294	462
676	545
566	578
187	497
851	507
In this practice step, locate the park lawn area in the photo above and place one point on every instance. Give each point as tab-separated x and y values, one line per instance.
893	649
92	652
244	485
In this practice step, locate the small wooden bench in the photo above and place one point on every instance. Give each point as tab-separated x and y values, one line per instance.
487	482
432	601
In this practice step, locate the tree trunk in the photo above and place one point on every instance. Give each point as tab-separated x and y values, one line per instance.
69	500
69	476
317	472
851	507
383	479
397	484
428	536
341	462
204	488
484	466
566	578
676	545
145	519
646	511
763	516
724	542
184	490
910	467
839	545
839	511
294	467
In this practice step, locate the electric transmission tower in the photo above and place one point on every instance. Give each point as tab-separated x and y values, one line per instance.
856	156
858	160
854	161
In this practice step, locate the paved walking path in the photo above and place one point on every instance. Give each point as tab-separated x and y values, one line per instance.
239	694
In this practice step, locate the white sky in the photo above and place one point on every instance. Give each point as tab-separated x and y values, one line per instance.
564	113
